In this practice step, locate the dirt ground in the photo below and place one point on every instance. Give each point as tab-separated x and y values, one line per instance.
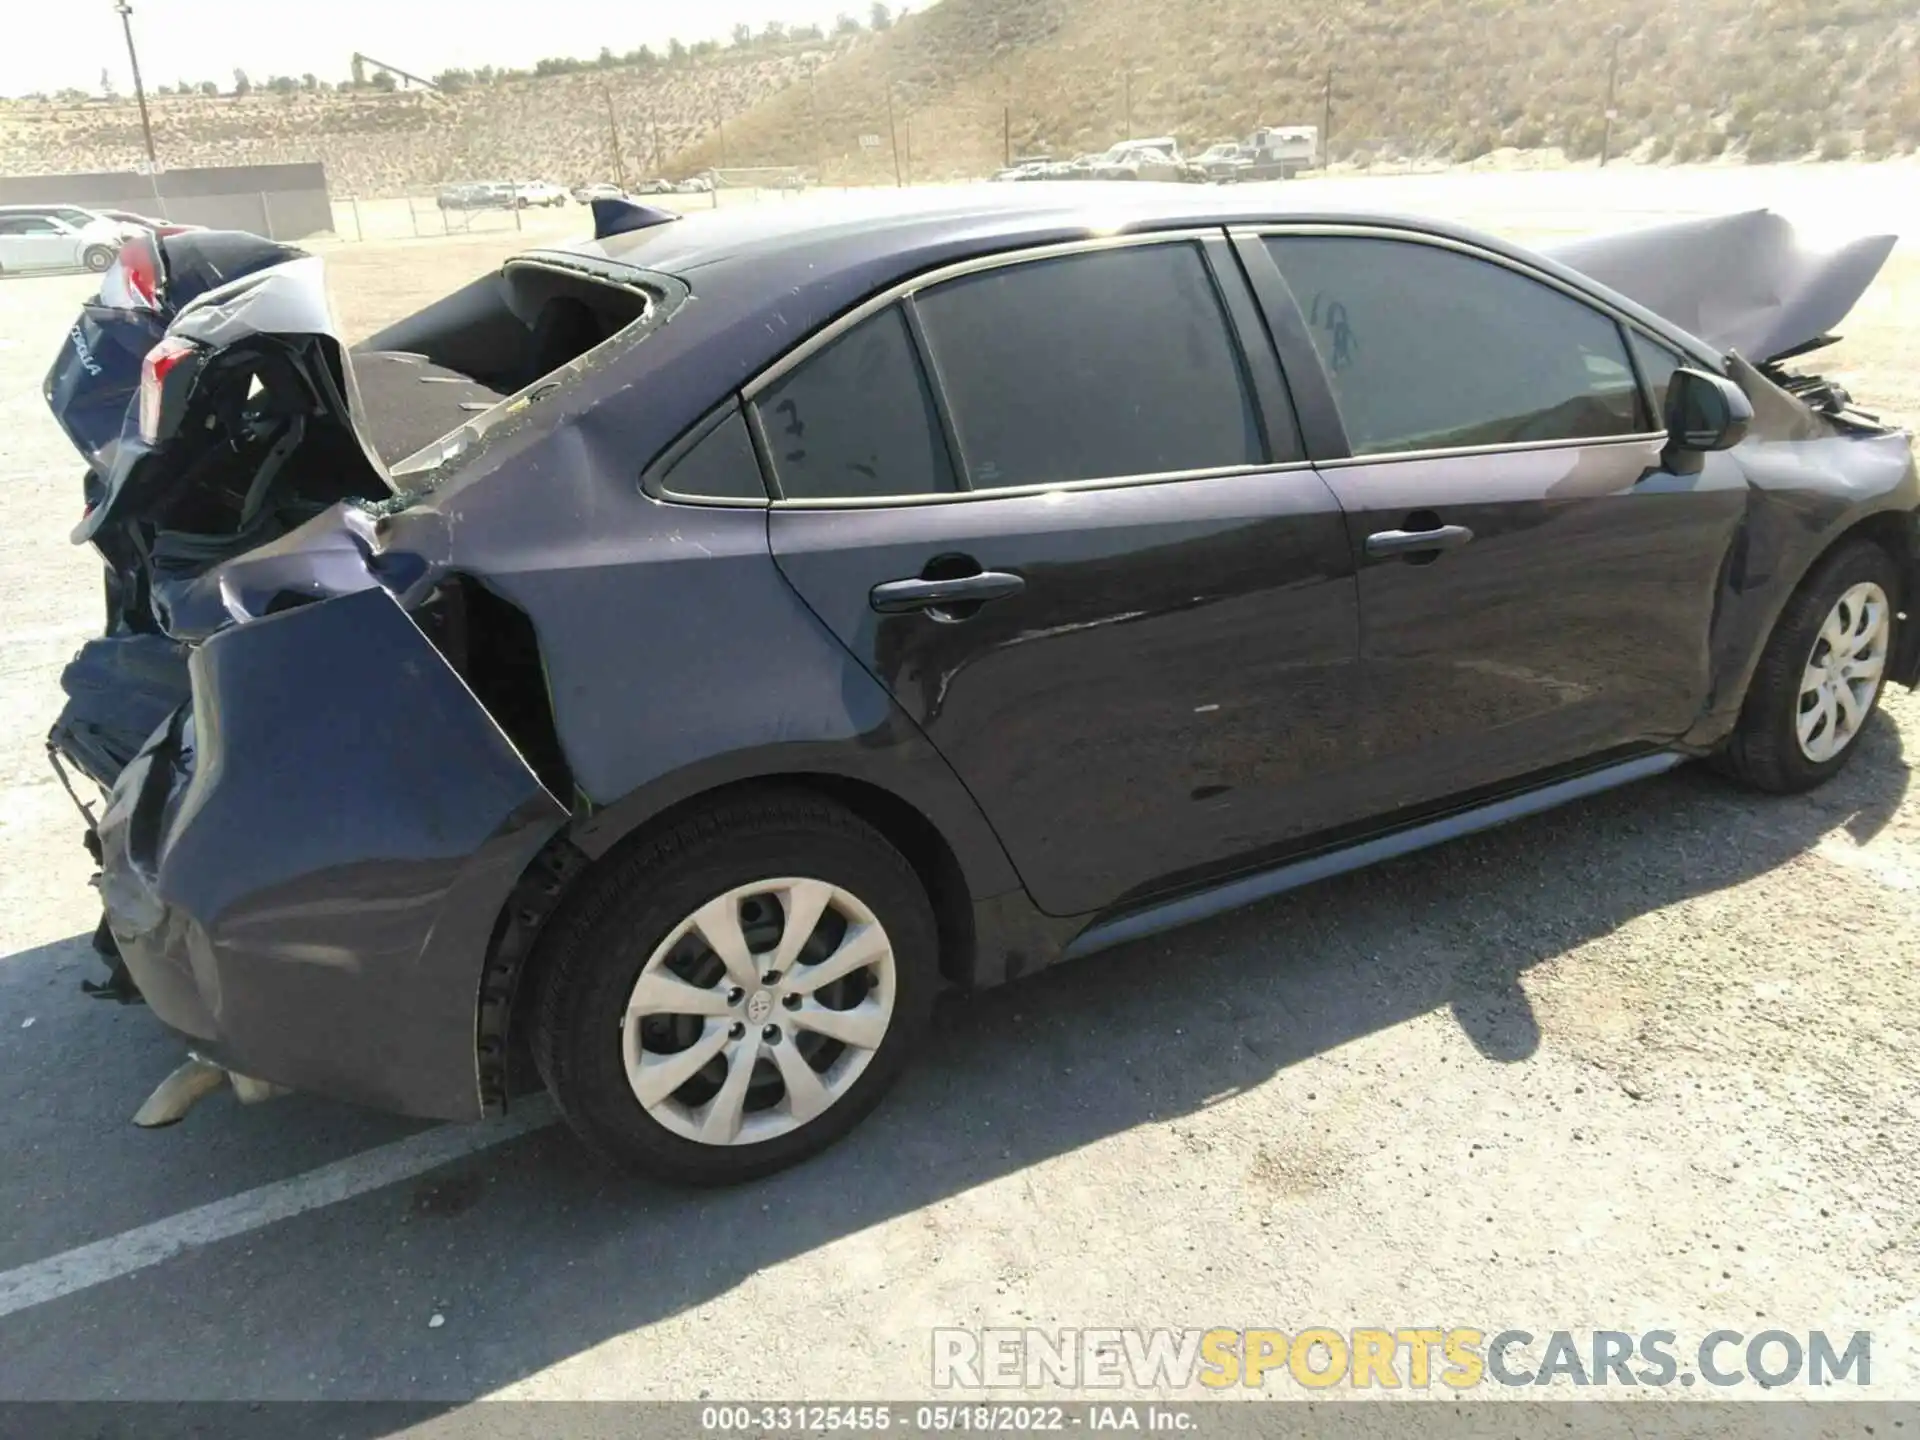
1645	1062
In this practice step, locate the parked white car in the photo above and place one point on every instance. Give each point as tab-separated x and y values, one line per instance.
59	237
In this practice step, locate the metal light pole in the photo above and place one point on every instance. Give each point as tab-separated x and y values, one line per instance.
613	135
893	135
125	11
1613	74
1326	122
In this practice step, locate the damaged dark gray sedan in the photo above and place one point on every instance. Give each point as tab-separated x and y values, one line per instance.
660	666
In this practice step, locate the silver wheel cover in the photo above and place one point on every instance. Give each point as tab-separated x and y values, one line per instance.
758	1011
1843	672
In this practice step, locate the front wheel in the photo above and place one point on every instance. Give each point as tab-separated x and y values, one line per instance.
736	993
98	258
1821	674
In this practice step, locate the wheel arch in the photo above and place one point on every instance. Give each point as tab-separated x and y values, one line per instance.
508	980
1898	533
902	823
1895	529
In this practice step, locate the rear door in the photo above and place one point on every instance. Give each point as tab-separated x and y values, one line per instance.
1536	588
1057	505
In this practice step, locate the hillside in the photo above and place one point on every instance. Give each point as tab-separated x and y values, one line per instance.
552	127
973	80
1451	79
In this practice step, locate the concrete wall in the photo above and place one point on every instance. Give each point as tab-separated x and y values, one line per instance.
285	202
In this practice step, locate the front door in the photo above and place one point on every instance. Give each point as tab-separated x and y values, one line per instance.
1082	551
1536	589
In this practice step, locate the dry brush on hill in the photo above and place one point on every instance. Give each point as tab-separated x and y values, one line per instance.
954	88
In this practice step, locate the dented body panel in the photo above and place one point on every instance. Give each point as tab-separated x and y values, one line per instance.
345	955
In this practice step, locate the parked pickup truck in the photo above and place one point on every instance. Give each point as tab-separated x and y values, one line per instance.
1272	152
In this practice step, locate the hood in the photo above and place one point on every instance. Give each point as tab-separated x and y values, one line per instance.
1742	282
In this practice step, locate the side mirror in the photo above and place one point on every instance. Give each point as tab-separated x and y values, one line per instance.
1704	412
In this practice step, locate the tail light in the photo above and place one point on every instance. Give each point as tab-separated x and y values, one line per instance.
133	281
160	362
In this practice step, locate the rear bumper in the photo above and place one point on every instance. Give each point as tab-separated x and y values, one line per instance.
304	868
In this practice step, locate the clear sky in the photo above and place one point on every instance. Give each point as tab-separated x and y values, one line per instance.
68	42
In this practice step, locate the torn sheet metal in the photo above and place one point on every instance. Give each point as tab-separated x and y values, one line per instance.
1742	282
305	887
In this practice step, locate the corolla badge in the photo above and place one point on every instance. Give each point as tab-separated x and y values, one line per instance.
85	352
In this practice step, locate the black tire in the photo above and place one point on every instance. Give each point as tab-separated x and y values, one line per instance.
98	257
592	954
1764	750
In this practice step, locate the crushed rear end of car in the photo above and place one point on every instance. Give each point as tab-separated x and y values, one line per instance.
326	745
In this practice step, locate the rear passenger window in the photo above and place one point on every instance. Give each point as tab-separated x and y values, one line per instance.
720	465
1430	349
855	419
1093	366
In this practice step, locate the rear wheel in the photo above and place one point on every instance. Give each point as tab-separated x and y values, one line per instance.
738	992
98	257
1821	674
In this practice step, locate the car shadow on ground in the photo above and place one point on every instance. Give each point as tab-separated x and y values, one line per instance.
539	1255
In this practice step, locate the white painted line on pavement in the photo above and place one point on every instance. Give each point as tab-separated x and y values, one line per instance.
135	1250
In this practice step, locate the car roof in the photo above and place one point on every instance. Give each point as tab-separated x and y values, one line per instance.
858	242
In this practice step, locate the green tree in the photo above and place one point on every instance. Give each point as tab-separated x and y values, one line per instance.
241	84
880	17
207	87
675	51
383	81
845	24
283	84
742	35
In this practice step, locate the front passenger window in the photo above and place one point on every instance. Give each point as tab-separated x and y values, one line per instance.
1430	349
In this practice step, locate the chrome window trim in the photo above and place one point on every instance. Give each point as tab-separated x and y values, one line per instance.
873	304
1014	492
1626	324
1590	442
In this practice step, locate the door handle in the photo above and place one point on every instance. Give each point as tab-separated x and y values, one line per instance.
898	597
1384	543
